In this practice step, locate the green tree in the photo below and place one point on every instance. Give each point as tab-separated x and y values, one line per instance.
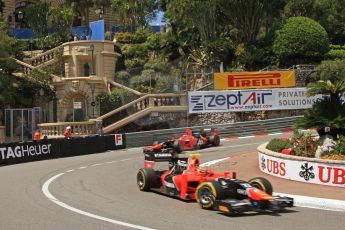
81	7
305	8
37	17
7	66
333	18
329	79
197	31
246	17
329	13
62	20
134	13
300	38
2	5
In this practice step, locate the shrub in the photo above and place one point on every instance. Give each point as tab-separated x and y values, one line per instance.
124	37
122	77
336	54
115	99
300	37
277	145
340	146
304	144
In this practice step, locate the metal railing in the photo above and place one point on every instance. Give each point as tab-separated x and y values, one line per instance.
138	139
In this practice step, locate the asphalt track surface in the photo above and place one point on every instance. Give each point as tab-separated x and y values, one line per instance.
99	191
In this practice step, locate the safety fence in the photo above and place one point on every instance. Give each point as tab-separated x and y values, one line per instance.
237	129
21	152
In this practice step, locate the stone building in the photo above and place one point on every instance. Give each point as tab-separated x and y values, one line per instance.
88	68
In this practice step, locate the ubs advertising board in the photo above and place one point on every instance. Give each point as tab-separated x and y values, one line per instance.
250	100
254	80
303	171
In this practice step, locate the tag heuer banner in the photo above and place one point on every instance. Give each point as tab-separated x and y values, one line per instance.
254	80
249	100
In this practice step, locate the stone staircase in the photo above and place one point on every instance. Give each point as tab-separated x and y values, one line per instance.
27	68
45	58
114	120
145	105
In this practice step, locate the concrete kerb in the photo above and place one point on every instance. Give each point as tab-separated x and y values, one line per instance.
317	203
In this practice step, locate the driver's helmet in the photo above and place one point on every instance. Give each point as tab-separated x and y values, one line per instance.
188	132
193	161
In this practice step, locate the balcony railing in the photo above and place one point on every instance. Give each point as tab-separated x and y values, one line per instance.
56	130
44	57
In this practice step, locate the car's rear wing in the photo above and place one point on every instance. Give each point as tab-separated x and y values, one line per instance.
159	156
151	158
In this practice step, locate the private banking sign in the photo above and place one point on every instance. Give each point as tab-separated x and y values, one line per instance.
254	80
250	100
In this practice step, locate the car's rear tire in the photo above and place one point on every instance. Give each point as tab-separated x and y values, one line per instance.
214	140
207	193
262	184
146	179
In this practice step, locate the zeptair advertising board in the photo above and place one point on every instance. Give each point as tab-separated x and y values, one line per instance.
254	80
250	100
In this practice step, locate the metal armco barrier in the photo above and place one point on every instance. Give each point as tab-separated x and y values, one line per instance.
139	139
13	153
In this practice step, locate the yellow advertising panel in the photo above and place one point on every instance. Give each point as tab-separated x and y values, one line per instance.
254	80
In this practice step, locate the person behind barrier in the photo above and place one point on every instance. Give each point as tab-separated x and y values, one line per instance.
68	132
37	135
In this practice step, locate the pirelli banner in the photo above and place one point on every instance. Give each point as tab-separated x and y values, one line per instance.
254	80
250	100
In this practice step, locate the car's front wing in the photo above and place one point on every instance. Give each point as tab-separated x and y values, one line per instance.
239	206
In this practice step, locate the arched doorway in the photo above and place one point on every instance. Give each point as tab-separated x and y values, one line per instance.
75	106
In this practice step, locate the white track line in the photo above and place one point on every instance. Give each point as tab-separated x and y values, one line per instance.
245	137
46	192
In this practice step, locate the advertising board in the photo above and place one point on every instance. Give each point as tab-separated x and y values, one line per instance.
254	80
304	171
250	100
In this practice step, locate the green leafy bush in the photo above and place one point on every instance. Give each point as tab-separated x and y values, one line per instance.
336	54
300	37
158	65
115	99
277	145
304	144
340	146
124	37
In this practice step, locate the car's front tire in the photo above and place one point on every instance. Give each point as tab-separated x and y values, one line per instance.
207	193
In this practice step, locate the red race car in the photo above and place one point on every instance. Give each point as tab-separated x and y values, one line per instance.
199	139
187	180
189	141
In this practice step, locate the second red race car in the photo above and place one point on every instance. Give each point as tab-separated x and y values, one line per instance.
202	138
187	180
191	140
